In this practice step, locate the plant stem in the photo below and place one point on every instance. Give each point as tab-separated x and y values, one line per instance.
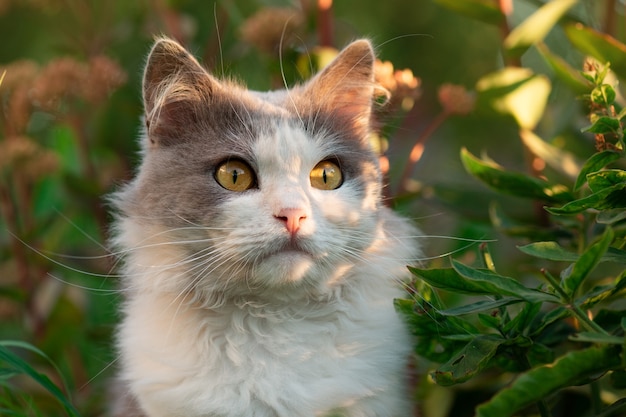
585	320
589	324
325	22
596	402
416	154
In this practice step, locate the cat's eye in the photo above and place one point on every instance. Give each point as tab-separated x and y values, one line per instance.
235	175
326	176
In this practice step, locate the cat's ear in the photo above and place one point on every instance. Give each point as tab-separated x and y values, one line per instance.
346	86
175	86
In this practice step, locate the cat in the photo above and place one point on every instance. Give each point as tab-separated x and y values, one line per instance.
260	264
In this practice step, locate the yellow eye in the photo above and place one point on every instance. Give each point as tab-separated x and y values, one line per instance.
326	176
235	175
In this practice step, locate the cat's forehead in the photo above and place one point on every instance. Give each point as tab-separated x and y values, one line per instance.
288	145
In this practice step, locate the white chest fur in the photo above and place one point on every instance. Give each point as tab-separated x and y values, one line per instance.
251	361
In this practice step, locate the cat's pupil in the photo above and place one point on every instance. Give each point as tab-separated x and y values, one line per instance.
234	176
324	176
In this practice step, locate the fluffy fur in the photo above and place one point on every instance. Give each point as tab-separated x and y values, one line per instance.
229	312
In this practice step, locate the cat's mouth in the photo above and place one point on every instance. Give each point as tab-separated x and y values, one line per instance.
295	247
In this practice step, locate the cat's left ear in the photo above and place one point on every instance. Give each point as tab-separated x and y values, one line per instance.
345	88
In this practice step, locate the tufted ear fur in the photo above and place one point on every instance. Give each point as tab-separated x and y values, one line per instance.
345	87
175	90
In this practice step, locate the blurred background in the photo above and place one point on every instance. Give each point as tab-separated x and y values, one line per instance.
70	122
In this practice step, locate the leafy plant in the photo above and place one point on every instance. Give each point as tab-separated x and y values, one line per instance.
562	324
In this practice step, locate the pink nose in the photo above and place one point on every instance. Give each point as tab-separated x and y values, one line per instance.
292	218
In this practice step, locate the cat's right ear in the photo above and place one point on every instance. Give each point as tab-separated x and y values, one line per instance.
175	88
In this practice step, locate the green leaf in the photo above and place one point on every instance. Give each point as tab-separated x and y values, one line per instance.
604	125
490	321
484	10
554	252
535	28
480	306
559	159
513	183
564	72
604	199
20	365
438	336
603	94
472	359
595	163
599	338
551	317
522	320
466	280
611	216
549	250
587	262
598	181
603	47
590	298
537	384
500	285
517	92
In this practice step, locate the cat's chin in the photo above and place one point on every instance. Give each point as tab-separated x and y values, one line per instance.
285	267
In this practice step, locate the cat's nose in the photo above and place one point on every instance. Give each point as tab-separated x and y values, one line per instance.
292	218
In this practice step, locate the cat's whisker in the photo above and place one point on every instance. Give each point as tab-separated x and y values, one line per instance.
282	72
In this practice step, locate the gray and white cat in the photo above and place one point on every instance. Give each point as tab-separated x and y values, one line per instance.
260	264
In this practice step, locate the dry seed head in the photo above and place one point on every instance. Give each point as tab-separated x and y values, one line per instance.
455	99
27	159
270	26
103	76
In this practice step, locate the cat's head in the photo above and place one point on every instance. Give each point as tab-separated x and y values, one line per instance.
246	191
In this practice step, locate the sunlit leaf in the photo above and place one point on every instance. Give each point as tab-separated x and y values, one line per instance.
549	250
466	280
484	10
554	252
564	72
513	183
557	158
604	179
604	125
517	92
501	285
587	262
535	28
595	163
600	201
600	45
603	94
571	369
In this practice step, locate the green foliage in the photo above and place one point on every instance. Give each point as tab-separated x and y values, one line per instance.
12	365
551	334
